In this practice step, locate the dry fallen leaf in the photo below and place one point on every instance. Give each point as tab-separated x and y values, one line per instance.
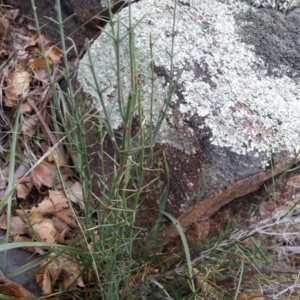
22	169
29	125
48	275
41	75
55	157
252	296
44	280
39	62
56	268
74	193
4	28
23	189
3	178
17	225
13	289
61	226
54	54
70	274
56	202
4	53
43	174
67	216
24	239
11	14
17	84
25	108
3	221
42	228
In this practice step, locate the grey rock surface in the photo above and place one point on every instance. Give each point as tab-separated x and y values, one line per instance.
275	37
18	258
236	109
282	5
226	81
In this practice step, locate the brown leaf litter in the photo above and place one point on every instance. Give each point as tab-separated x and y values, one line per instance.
44	209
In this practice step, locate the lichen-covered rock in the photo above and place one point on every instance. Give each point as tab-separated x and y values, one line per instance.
236	108
275	37
283	5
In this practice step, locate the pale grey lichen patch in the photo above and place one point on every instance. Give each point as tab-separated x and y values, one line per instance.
282	5
246	109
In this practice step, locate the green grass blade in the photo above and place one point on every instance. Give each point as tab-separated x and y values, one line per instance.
185	246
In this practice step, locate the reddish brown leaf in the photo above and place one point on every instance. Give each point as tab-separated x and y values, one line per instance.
54	54
38	62
14	290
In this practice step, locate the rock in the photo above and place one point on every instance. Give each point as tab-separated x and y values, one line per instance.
17	258
252	208
234	121
282	5
83	18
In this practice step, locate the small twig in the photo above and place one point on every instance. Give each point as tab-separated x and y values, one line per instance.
154	281
286	271
230	280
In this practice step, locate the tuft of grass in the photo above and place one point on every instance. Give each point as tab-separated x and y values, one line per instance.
216	270
108	229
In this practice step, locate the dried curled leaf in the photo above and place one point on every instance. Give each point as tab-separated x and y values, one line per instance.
39	62
12	14
56	202
53	56
67	216
56	268
28	126
43	174
61	226
23	189
17	84
3	178
13	289
74	193
42	228
4	28
55	157
24	239
17	225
